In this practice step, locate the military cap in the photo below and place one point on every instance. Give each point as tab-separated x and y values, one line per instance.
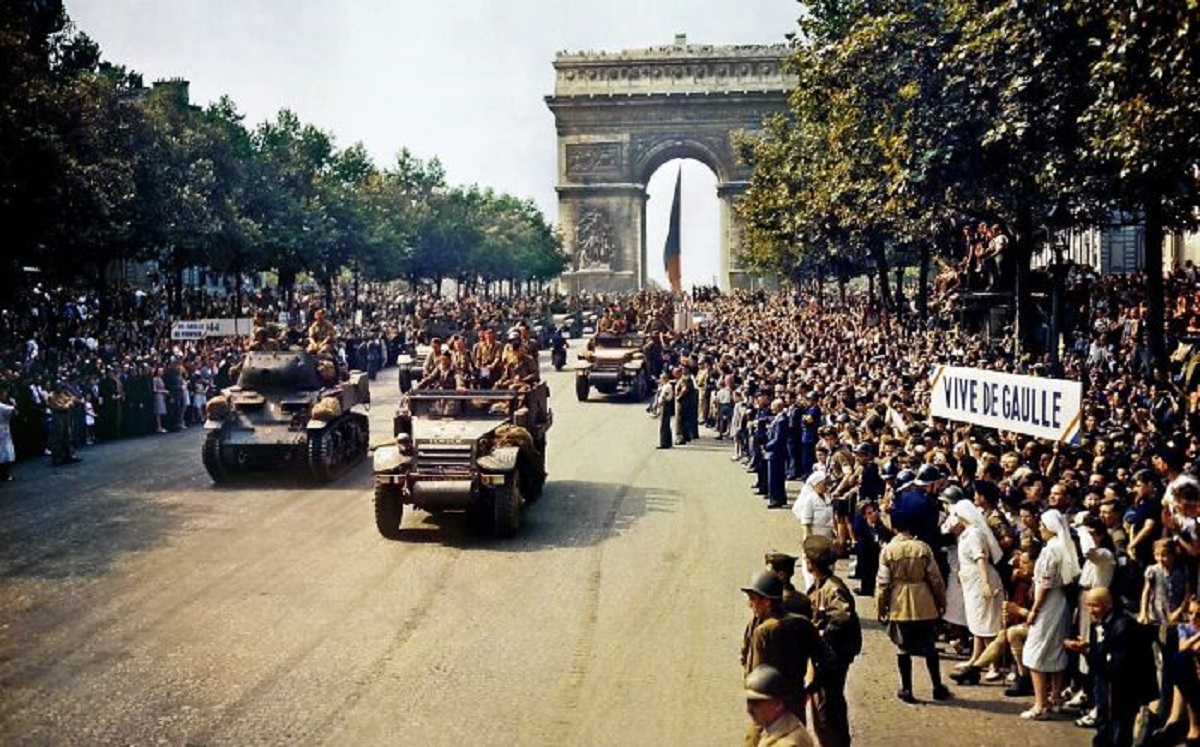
781	561
765	584
819	549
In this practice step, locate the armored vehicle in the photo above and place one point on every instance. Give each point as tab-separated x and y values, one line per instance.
613	363
482	452
284	414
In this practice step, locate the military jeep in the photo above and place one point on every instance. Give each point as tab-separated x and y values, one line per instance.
613	363
481	452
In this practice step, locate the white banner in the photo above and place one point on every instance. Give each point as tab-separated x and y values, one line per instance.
1035	406
187	330
227	327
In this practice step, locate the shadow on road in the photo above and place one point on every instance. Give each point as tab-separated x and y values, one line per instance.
570	513
82	535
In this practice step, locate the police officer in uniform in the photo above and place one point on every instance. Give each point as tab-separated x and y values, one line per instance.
775	455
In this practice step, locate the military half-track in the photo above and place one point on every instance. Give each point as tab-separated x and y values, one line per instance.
482	452
283	414
613	363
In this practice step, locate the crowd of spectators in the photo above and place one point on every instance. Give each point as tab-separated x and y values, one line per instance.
834	397
837	398
73	373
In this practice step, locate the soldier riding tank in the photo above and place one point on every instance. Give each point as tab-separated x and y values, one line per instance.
287	411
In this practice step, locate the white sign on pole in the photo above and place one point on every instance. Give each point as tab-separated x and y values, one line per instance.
1036	406
227	327
190	330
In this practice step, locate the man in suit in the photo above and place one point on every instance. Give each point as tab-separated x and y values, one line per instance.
1120	653
775	453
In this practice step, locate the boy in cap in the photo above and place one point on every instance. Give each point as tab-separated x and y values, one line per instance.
837	621
784	567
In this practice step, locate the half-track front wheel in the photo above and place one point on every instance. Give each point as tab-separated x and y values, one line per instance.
389	510
638	390
211	455
581	388
506	507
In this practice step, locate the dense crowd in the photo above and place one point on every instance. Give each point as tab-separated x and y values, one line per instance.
1030	541
1017	555
73	373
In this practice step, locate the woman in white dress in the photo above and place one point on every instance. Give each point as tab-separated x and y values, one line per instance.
1044	655
8	454
982	591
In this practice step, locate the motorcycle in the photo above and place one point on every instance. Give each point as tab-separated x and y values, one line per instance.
558	350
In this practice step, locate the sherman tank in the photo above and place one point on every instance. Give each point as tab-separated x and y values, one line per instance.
289	410
481	452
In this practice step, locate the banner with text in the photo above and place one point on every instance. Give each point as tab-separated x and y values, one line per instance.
1035	406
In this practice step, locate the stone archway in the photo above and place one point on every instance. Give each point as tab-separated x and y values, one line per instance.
620	116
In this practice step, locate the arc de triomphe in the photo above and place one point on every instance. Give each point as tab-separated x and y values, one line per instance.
621	115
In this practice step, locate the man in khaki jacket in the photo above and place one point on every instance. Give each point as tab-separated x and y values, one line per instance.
910	597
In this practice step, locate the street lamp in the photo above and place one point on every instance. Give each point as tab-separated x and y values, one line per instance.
1058	275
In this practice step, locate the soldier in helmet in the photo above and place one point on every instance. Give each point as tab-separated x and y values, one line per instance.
784	641
766	702
837	621
264	335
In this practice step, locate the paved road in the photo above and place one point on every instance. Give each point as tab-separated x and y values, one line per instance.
140	604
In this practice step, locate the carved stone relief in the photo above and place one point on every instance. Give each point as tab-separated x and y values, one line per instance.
594	242
593	159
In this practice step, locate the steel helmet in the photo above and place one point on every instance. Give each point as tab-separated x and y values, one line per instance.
765	682
952	494
765	584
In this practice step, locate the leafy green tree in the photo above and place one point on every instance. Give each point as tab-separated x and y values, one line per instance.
1141	127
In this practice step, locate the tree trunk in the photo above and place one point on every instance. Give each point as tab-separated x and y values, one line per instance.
1152	254
237	293
923	281
102	293
879	256
899	289
1024	325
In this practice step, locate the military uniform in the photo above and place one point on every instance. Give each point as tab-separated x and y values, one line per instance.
321	337
835	617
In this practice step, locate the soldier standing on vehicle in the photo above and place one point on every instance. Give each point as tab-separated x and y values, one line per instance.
485	358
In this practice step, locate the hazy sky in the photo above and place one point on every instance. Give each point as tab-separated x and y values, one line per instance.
462	80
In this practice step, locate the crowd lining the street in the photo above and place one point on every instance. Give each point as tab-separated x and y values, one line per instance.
995	546
1005	547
